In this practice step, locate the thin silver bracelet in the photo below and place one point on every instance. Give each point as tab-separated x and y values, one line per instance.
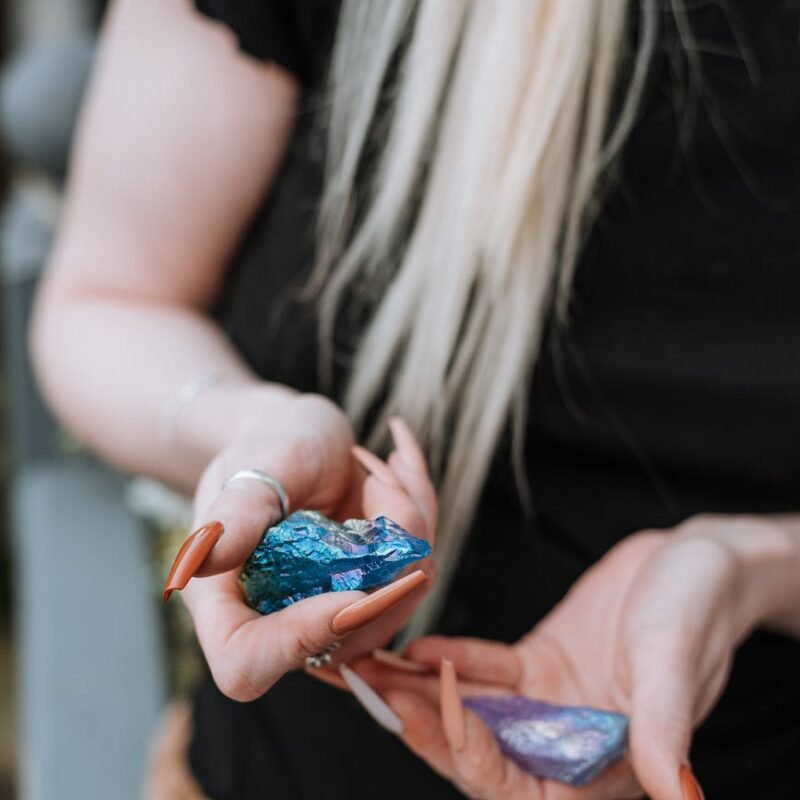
186	394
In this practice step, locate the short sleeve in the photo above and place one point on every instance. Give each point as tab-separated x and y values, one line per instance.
295	34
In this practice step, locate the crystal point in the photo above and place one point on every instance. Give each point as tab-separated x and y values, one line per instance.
307	554
569	744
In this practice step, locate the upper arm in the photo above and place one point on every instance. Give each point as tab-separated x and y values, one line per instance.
178	140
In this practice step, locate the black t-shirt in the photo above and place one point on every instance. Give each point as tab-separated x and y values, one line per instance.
674	390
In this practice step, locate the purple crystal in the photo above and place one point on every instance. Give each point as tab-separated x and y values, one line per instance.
569	744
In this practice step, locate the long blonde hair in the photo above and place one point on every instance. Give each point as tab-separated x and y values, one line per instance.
482	181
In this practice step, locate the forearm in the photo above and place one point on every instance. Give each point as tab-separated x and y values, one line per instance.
112	369
176	148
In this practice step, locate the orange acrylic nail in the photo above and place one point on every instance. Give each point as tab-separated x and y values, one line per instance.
407	445
372	606
689	785
389	659
374	466
451	708
192	554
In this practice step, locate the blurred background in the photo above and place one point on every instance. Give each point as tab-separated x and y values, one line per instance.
83	673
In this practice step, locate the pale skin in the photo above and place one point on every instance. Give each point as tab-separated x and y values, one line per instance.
178	144
650	630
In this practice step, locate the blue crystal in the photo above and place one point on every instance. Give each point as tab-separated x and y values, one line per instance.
307	554
569	744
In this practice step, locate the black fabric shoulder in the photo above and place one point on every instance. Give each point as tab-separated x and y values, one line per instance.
297	35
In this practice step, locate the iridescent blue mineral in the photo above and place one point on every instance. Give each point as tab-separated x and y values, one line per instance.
307	554
569	744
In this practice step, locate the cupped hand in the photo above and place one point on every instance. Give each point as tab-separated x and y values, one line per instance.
649	631
307	445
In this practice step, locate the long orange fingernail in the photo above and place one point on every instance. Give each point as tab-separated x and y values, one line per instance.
452	710
374	466
191	555
372	606
407	445
689	785
395	661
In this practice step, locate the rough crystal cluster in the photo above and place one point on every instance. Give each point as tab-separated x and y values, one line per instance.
307	554
570	744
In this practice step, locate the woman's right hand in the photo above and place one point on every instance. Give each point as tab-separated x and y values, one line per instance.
307	445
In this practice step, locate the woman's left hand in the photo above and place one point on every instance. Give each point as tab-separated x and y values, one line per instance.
650	631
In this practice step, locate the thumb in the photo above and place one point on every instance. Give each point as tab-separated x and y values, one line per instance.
661	728
245	489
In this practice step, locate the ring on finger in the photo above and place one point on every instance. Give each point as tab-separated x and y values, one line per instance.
273	483
323	658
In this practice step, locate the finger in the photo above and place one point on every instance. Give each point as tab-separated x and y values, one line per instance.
386	626
192	554
247	652
422	732
418	726
421	492
616	782
474	659
661	722
247	507
407	446
408	463
385	677
238	514
374	466
384	495
415	698
405	714
311	460
362	639
371	701
372	606
391	659
479	763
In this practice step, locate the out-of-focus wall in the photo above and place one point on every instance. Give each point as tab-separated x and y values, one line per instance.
82	726
28	19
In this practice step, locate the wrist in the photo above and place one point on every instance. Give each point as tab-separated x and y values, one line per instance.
225	413
766	551
783	612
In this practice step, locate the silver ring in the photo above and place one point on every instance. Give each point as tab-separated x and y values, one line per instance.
258	475
323	658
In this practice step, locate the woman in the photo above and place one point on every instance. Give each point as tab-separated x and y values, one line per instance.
558	240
